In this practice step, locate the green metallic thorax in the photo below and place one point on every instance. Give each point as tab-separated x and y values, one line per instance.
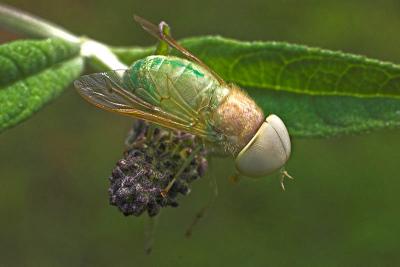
178	86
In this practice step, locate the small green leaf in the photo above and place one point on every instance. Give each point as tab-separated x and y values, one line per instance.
317	92
33	73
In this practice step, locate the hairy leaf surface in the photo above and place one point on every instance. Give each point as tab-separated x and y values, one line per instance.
33	73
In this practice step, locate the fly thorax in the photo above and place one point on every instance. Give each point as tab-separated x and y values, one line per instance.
238	118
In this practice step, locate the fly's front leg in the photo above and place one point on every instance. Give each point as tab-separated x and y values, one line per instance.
163	47
284	174
200	214
234	179
150	233
178	174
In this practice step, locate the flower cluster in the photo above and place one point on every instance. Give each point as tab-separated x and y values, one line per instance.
153	158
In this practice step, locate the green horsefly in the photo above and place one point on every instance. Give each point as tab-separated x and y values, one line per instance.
184	94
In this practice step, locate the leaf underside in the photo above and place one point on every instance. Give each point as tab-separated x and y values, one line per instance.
32	74
318	93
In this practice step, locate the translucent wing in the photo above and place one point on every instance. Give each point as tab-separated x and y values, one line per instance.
158	33
112	92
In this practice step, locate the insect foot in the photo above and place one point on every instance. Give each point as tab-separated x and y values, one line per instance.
284	174
153	159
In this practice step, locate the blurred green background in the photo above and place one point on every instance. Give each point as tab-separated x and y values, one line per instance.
342	210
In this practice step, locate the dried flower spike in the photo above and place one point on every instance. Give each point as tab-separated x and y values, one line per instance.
153	158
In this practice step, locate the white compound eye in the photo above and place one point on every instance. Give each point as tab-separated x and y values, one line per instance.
267	151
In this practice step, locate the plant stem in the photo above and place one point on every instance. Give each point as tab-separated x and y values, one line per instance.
101	52
19	21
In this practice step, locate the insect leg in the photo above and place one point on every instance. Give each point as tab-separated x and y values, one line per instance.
200	214
234	179
163	47
284	174
155	31
181	169
150	230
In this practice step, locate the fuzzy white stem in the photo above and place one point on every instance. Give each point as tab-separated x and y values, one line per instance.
20	21
23	22
91	48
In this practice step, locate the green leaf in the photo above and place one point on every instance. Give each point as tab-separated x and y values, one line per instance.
325	116
33	73
290	68
316	92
